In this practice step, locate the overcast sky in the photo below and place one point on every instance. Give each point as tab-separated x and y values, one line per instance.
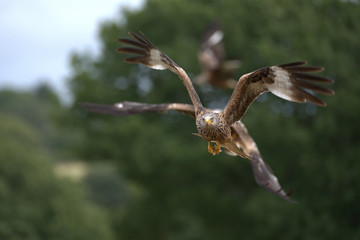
37	36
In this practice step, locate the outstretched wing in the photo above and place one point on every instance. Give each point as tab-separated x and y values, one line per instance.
152	57
289	81
216	70
264	177
132	108
241	139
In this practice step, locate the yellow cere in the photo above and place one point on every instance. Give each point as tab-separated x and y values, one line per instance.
208	121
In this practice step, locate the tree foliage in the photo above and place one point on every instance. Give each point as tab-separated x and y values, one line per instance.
35	204
181	191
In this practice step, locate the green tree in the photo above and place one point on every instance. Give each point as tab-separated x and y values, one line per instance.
39	108
34	203
183	193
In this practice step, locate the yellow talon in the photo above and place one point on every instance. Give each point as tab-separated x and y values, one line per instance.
214	150
217	149
210	148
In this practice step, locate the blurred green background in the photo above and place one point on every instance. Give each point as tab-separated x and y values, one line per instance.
69	174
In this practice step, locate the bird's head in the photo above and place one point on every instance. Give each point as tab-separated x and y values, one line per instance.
210	119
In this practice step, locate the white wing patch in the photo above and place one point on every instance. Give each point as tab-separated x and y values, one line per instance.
215	38
119	105
282	86
216	110
155	60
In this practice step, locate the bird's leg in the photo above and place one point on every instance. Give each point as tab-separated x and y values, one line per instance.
214	150
217	149
210	148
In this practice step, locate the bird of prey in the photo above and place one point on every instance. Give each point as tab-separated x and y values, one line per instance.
289	81
216	70
262	172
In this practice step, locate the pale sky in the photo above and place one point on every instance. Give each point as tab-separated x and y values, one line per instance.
37	37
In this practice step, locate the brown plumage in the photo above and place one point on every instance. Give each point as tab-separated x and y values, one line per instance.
216	69
287	81
262	173
223	127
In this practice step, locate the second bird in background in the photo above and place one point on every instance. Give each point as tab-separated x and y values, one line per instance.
216	69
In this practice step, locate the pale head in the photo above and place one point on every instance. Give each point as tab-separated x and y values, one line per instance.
209	119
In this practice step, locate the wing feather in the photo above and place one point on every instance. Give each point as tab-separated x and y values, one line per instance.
263	174
133	42
313	87
305	69
133	50
288	81
313	78
132	108
152	57
291	64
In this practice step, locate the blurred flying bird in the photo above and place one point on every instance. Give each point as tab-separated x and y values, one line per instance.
216	69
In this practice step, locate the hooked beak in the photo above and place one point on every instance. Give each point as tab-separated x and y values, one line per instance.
208	121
